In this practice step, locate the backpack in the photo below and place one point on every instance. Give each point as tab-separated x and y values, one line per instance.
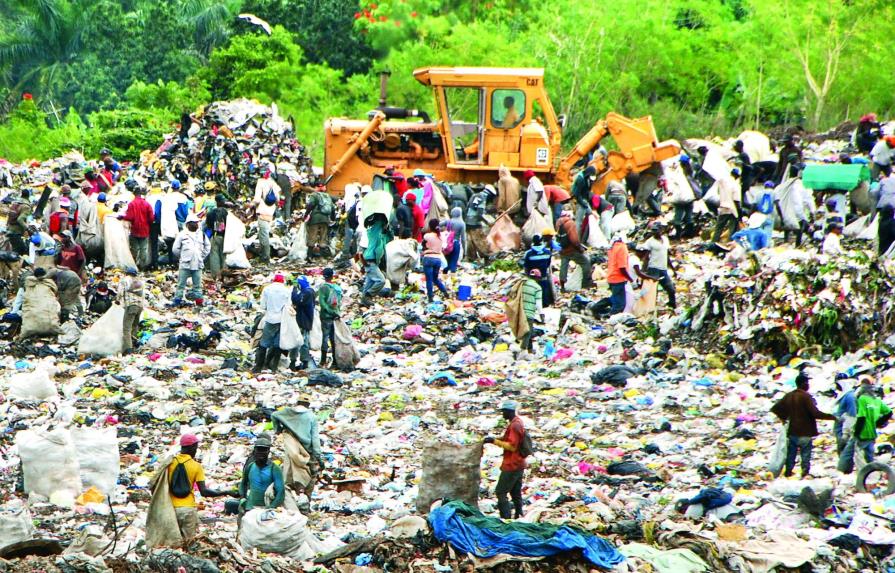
526	448
271	198
448	238
324	204
179	485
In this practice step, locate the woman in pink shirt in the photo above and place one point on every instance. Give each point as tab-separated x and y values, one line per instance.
432	251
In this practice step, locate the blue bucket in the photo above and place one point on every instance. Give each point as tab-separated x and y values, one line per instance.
464	292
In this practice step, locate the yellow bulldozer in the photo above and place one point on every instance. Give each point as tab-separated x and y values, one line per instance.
488	117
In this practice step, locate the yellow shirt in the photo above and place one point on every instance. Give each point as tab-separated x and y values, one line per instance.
510	119
194	473
102	211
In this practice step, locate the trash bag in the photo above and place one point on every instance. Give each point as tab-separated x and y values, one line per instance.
346	353
34	385
622	223
117	249
98	457
69	333
595	237
646	302
615	375
856	227
298	251
504	235
106	336
323	377
49	462
275	531
627	468
316	338
290	334
450	471
534	226
234	250
778	455
15	526
401	256
162	529
40	309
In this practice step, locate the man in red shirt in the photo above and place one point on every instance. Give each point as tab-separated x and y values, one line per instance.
513	465
140	215
571	249
60	220
618	273
71	255
419	218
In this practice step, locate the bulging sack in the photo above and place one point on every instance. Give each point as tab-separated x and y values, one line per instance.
98	457
290	335
504	235
298	252
449	471
276	531
40	309
106	336
49	462
35	385
535	225
346	353
15	526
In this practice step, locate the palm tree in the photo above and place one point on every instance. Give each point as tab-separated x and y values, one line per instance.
212	21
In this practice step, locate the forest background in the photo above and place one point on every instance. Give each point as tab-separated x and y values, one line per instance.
88	74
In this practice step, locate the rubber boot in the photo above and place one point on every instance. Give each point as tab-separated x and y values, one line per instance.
260	356
503	507
273	359
517	505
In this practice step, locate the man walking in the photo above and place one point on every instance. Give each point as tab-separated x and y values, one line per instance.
329	296
660	263
871	414
130	291
618	273
265	202
513	465
304	457
303	300
140	215
191	247
378	236
800	410
216	225
274	299
728	208
571	249
319	214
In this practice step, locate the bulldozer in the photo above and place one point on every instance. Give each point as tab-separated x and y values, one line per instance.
488	117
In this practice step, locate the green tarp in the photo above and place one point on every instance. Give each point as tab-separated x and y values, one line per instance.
835	176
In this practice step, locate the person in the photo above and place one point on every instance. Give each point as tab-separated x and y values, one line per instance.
538	257
571	249
745	165
457	226
352	222
109	163
799	409
185	506
378	236
508	193
757	235
832	244
132	298
60	220
303	297
71	255
100	298
140	215
557	198
618	273
512	468
432	256
17	222
329	297
532	304
511	117
844	427
90	186
265	201
617	196
258	475
398	180
404	217
191	247
42	249
581	192
274	299
871	414
660	263
417	218
68	291
477	233
728	212
302	440
320	213
156	198
790	154
881	157
102	209
216	227
535	195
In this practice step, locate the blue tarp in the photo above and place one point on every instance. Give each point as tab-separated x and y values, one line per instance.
467	530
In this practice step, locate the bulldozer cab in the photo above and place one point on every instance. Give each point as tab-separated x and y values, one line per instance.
488	117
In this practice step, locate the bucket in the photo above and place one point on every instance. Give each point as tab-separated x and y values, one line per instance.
464	291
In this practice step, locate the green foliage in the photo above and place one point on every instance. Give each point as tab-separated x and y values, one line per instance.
168	96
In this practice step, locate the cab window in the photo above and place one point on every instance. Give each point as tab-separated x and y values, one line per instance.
507	108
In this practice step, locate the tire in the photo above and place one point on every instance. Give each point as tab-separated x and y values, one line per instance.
876	467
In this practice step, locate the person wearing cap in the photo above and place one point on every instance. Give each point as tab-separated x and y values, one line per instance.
799	409
41	249
301	437
535	194
60	220
660	262
190	247
303	300
881	157
265	209
756	236
329	297
140	215
216	227
832	244
871	414
258	475
867	133
17	222
100	298
320	213
581	192
378	236
728	212
102	209
571	249
538	257
513	465
476	230
790	154
132	298
618	273
274	299
71	255
109	163
185	508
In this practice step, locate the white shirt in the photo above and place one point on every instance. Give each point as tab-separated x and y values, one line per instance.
535	197
658	253
832	244
882	154
729	192
274	298
262	188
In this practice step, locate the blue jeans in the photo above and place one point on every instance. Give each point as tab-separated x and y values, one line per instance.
617	297
847	458
374	281
431	266
195	277
802	446
453	259
349	245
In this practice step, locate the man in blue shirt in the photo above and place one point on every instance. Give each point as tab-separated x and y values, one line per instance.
258	475
756	237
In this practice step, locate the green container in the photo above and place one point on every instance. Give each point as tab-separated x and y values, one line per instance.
834	176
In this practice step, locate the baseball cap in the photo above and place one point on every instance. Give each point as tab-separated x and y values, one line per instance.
189	440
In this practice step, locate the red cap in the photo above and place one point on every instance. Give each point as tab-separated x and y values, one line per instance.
528	174
279	278
890	140
189	440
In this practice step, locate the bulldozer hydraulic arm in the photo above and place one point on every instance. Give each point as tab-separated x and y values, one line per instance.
360	141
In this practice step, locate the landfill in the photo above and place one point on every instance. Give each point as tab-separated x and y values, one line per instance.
629	414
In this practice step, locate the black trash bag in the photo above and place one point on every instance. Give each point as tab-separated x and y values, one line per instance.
627	468
847	541
615	375
167	560
323	377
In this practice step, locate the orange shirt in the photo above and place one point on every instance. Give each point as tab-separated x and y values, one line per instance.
618	260
513	461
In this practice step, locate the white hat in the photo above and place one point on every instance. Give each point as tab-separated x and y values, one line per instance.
192	218
756	220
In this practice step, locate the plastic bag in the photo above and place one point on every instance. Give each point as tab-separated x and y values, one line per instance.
15	526
504	235
290	334
49	462
233	243
98	457
595	237
778	455
40	309
106	336
35	385
346	353
117	249
622	223
276	531
298	252
316	337
451	471
646	302
401	256
535	226
69	333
